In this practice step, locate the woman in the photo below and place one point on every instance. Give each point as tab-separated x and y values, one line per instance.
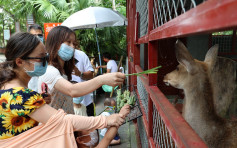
60	45
21	108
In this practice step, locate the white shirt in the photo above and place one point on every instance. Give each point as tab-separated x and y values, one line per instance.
58	99
112	66
104	130
33	84
83	65
51	76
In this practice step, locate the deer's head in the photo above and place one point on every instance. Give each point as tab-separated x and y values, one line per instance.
189	70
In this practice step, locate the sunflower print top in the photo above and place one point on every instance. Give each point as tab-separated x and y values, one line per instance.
15	105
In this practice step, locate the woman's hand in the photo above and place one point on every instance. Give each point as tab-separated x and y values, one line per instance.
125	110
76	71
115	120
47	98
112	79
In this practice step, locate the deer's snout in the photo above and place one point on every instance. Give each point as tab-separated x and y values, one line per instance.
166	80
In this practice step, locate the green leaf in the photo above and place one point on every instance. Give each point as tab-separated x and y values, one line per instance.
149	71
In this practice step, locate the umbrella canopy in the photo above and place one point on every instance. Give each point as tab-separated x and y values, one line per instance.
95	17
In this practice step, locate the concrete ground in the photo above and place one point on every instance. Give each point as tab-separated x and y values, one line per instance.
126	131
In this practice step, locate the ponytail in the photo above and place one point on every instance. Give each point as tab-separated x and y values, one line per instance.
6	72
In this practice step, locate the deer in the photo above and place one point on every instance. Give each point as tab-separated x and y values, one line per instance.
193	76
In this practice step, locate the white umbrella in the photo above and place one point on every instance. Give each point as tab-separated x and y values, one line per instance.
95	17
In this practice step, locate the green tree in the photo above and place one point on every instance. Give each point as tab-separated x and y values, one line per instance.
111	39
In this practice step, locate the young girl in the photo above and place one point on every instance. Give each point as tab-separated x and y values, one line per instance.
60	45
21	108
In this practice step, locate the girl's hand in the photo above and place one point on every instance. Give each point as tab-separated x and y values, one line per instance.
112	79
76	71
125	110
115	120
47	98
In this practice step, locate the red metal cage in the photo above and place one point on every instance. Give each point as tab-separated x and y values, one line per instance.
153	27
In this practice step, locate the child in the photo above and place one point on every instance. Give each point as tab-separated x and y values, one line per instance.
109	105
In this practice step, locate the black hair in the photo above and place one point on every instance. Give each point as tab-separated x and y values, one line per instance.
20	45
35	27
107	55
107	102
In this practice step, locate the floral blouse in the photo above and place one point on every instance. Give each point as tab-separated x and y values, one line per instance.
15	105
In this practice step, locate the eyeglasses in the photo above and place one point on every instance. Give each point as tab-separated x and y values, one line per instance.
43	59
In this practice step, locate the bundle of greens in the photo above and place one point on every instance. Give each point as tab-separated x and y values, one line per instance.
149	71
125	98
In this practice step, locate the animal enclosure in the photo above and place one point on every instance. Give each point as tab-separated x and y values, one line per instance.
153	28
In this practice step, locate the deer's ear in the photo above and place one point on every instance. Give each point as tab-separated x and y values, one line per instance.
184	57
211	56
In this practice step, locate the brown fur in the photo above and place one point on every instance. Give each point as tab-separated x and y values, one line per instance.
223	77
193	77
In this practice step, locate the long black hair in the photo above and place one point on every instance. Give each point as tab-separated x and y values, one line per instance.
55	38
20	45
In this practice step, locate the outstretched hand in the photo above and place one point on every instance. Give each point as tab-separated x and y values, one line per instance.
125	110
112	79
115	120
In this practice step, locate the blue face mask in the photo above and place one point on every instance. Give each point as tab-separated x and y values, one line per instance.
78	100
41	38
65	52
39	69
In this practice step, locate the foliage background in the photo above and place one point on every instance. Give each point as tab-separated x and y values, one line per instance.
112	40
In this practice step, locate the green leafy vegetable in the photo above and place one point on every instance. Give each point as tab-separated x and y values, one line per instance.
149	71
125	98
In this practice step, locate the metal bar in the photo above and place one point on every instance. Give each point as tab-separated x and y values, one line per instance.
98	50
150	117
204	18
144	116
143	39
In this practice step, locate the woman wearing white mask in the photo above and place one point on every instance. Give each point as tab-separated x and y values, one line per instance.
21	108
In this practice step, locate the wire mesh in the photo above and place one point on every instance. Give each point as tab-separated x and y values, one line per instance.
161	136
142	8
143	95
224	42
142	133
166	10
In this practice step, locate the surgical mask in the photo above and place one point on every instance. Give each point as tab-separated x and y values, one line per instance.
65	52
78	100
41	38
39	69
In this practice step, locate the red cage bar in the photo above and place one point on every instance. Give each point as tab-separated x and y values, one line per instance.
207	17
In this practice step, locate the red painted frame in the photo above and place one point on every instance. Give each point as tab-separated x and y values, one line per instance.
207	17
